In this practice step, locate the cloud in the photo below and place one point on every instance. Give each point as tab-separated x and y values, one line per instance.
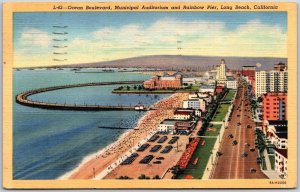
35	37
166	36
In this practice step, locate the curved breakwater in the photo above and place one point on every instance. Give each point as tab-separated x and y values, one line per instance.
22	98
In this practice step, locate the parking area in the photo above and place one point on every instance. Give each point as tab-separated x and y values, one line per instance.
153	158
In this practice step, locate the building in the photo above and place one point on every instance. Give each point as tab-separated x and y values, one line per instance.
195	103
219	89
221	72
192	80
167	125
184	126
175	125
210	89
280	67
277	133
270	81
281	158
248	71
231	83
274	107
164	82
183	114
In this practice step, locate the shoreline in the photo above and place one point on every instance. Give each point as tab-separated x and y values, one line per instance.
94	164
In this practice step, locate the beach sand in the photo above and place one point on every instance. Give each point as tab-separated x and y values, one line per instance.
147	125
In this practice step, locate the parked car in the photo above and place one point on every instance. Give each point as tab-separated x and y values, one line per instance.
234	142
153	138
130	159
244	154
146	159
167	149
162	140
143	147
155	148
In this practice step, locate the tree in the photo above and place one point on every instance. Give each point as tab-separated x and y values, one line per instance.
128	88
259	99
142	176
140	87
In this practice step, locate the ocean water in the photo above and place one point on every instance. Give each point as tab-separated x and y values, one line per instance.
49	143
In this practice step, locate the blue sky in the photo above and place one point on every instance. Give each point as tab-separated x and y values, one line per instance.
96	36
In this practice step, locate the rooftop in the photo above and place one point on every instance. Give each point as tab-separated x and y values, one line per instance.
172	121
278	122
282	135
283	152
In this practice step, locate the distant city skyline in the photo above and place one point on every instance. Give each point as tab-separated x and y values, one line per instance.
95	36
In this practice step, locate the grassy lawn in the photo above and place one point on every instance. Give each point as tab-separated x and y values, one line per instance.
264	165
229	95
213	133
272	161
203	154
221	112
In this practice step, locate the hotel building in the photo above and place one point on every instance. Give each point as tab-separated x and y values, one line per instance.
274	107
270	81
164	82
281	158
221	72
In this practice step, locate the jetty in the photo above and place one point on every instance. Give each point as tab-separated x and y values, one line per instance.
23	99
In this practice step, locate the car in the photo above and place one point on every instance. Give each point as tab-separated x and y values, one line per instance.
248	126
162	140
252	170
143	147
244	154
173	140
246	144
252	149
130	159
219	153
230	136
234	142
157	162
153	138
258	160
146	159
155	148
160	158
167	149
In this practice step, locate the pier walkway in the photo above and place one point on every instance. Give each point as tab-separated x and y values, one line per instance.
22	99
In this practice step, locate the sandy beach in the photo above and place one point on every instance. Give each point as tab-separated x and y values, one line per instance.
105	159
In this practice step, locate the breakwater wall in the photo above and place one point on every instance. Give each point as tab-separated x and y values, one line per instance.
22	98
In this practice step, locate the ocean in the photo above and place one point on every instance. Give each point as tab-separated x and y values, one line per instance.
49	143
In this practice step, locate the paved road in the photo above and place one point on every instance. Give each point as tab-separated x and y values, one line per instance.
231	164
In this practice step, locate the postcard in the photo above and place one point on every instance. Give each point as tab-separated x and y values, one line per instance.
149	95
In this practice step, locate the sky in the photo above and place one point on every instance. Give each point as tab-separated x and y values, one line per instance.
96	36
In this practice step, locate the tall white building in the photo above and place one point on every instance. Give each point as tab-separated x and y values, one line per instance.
270	81
221	72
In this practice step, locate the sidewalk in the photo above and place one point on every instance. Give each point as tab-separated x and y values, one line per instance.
267	160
